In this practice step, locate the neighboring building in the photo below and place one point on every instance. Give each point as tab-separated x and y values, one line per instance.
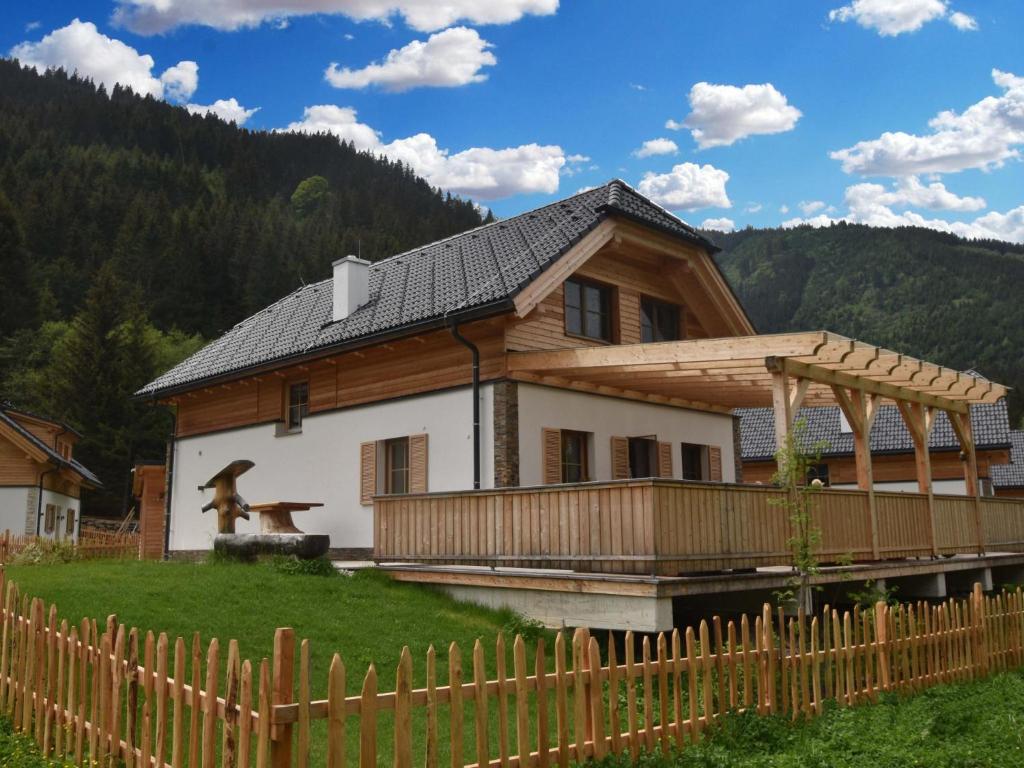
1008	479
40	481
892	449
363	385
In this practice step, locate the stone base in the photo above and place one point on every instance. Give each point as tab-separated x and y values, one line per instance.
249	546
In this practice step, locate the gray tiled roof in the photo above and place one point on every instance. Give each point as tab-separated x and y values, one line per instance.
888	435
484	267
1011	475
53	455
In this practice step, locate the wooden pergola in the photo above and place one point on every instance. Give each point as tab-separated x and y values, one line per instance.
786	372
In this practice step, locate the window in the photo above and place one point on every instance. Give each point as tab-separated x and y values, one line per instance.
818	472
588	310
659	321
64	448
298	405
396	465
694	461
643	457
575	464
50	520
69	528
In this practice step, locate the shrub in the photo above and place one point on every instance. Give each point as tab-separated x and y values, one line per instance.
46	553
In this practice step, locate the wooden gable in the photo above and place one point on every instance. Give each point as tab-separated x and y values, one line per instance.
636	262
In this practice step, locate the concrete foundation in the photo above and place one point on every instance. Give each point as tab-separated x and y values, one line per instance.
574	609
931	585
962	582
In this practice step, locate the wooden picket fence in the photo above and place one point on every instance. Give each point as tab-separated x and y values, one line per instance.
90	545
97	695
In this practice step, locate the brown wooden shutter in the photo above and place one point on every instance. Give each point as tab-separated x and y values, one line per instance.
664	459
418	464
551	456
715	462
620	458
367	472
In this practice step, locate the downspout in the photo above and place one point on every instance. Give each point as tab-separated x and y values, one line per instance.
39	499
476	400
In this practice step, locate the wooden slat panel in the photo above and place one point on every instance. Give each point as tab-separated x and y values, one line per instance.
714	463
551	455
620	458
367	472
418	463
664	459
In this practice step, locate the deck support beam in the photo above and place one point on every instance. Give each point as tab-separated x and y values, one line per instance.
919	420
961	424
860	410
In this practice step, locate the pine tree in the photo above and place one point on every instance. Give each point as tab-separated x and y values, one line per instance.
17	289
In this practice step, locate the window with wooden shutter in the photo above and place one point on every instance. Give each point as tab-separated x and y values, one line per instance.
367	472
620	458
418	464
551	456
665	460
715	462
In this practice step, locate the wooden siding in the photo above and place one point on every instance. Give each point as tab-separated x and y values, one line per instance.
15	467
412	366
669	527
886	468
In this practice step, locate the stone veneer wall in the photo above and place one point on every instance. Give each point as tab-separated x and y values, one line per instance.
506	434
737	453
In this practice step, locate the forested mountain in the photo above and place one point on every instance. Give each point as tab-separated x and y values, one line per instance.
932	295
131	230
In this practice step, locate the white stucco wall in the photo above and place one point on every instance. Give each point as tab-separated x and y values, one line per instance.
13	506
63	503
607	417
322	464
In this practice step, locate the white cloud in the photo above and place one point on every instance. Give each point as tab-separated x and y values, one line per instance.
349	36
653	147
753	208
963	22
32	26
228	110
719	225
448	59
483	172
181	80
155	16
894	17
783	209
80	47
576	164
686	187
810	207
878	206
983	136
723	114
638	87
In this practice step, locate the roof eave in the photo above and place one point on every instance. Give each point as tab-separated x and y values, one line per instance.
481	312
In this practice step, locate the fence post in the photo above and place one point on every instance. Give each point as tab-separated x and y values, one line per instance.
283	693
978	610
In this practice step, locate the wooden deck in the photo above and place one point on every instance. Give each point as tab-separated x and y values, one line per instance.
671	527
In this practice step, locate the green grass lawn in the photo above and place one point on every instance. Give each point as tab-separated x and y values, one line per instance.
366	618
967	725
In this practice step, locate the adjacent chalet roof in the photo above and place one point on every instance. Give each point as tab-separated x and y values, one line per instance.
473	274
7	418
889	434
1011	475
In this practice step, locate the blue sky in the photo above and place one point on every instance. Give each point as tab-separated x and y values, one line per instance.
518	102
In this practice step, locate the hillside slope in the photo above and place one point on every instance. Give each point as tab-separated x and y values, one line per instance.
952	301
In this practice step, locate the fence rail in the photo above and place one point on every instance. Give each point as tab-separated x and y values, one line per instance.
103	693
666	527
91	545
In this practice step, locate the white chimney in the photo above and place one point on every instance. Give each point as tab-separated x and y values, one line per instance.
351	285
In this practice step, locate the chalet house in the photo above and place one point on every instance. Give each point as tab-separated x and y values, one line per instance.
892	448
395	377
1008	479
40	481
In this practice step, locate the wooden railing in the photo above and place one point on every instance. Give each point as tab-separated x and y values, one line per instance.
98	695
668	527
94	544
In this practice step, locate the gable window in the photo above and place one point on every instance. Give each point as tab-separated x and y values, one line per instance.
297	405
643	457
695	461
575	447
396	465
50	520
588	310
659	321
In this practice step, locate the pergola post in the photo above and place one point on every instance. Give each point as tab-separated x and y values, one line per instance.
786	402
920	419
860	410
961	423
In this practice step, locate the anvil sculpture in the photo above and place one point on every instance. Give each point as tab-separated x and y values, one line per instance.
226	499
